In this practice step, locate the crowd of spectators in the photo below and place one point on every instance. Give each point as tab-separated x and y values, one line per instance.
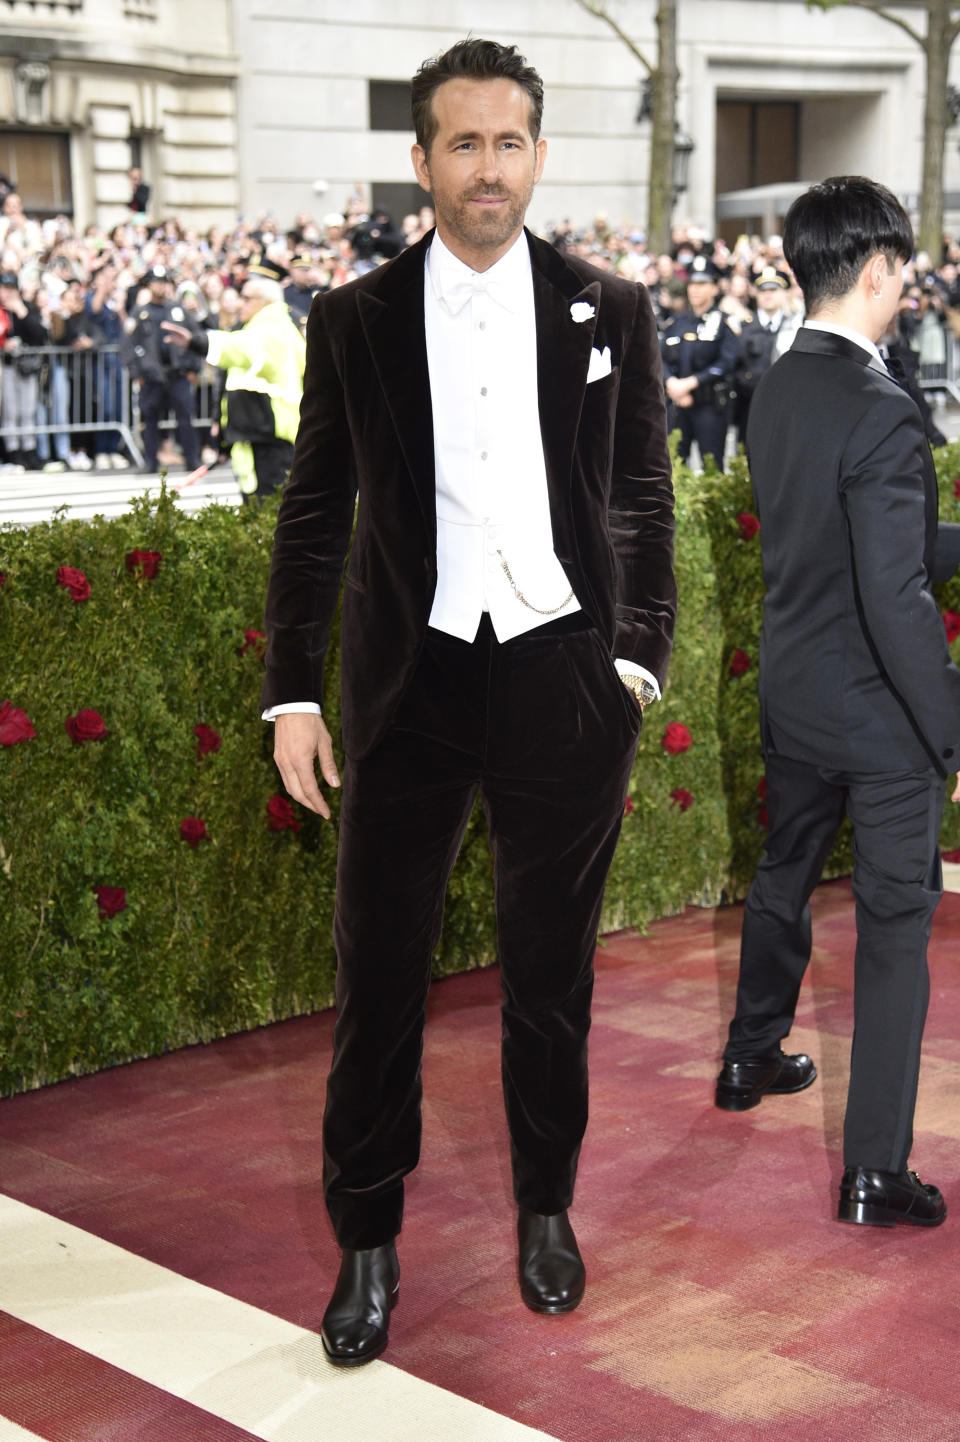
77	291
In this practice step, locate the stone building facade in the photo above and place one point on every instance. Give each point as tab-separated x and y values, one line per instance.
772	94
89	88
235	106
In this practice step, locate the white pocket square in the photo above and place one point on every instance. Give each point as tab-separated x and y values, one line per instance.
600	364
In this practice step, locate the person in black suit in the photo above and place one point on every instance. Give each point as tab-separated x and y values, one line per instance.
699	353
757	342
860	701
508	609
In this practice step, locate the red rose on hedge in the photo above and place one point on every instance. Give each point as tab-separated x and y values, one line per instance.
15	725
3	578
762	788
681	799
739	662
953	856
280	815
676	738
207	739
956	488
146	562
110	900
253	641
75	582
951	621
627	806
193	831
763	817
749	525
86	726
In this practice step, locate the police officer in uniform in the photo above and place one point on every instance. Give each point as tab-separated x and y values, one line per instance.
164	372
263	364
758	338
699	356
301	289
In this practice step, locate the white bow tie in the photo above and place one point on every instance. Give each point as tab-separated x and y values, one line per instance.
456	289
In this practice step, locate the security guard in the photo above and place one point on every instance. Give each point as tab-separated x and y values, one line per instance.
164	371
302	288
264	362
699	355
756	353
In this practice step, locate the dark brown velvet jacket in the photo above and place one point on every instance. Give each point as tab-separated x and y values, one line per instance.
366	427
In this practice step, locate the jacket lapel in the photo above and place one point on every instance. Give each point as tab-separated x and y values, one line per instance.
563	360
392	319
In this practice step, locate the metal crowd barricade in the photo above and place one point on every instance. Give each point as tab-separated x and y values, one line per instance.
943	375
90	392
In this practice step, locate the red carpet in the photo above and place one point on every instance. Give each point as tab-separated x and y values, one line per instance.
724	1301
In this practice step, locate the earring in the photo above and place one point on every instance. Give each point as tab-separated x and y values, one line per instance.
878	295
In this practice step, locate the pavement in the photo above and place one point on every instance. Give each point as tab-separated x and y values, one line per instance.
34	496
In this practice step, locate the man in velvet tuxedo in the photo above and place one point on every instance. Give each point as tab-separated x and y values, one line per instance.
508	608
860	702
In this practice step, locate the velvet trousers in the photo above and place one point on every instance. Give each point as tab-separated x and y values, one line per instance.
897	884
545	731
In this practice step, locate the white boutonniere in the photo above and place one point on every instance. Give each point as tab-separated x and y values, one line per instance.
582	310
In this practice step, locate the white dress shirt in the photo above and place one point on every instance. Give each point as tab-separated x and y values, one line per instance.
492	500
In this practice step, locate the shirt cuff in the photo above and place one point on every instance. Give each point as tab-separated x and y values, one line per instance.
215	345
630	668
306	708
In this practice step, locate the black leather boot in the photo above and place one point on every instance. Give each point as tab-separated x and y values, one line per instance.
552	1275
357	1320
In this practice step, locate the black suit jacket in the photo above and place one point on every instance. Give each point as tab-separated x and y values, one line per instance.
855	673
366	427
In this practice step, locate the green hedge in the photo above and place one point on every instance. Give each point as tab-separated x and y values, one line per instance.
235	931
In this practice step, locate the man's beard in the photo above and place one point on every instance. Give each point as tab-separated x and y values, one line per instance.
481	227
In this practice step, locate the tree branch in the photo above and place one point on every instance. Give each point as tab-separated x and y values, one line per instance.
599	12
876	8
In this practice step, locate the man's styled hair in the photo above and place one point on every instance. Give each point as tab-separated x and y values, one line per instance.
472	60
833	229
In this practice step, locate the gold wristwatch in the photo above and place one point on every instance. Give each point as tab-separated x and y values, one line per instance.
643	690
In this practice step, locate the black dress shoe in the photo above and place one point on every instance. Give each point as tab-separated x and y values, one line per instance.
743	1084
357	1320
884	1199
552	1275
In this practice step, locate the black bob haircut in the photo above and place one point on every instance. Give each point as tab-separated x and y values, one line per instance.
833	229
472	60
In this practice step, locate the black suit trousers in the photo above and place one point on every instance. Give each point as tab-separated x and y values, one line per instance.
545	731
707	426
157	398
896	884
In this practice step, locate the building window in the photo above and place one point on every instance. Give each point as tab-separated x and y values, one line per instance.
758	143
398	198
140	9
389	102
38	164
